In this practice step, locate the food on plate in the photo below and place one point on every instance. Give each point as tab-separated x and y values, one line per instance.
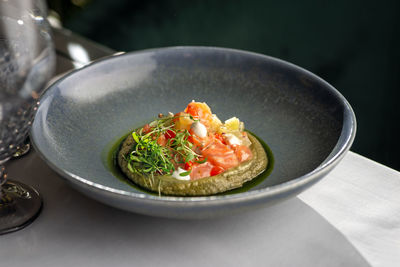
191	153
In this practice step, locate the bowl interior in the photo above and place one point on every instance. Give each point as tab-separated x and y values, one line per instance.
81	116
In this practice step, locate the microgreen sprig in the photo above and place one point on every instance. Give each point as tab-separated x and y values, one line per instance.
148	157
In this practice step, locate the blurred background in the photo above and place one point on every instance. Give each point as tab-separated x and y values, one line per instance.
354	45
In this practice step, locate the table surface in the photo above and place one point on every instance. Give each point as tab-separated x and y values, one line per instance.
350	218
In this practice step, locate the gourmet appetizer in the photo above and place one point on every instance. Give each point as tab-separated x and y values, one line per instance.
191	153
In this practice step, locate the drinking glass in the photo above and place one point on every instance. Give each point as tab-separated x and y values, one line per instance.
27	62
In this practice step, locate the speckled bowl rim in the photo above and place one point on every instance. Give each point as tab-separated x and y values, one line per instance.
343	144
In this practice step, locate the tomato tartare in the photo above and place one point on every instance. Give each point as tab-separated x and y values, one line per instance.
191	153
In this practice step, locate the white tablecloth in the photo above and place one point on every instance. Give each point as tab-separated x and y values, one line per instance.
361	199
350	218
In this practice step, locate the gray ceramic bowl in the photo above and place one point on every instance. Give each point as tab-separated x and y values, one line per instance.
308	124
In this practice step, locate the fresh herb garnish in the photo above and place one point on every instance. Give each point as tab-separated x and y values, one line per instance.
185	173
148	157
202	161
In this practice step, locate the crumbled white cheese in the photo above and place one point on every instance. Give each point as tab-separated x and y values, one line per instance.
232	139
199	129
177	172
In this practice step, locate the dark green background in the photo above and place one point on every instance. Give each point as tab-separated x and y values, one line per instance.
354	45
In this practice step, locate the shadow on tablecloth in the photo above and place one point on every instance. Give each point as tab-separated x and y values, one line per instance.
74	229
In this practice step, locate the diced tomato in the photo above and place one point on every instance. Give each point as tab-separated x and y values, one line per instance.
220	138
216	170
191	139
220	155
200	111
146	129
188	165
243	153
201	170
161	140
170	134
197	109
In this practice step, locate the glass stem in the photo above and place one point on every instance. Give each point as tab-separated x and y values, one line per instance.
3	178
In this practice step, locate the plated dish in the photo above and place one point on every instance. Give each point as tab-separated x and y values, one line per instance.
191	153
306	122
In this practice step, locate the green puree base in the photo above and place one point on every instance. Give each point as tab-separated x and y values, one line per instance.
235	180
